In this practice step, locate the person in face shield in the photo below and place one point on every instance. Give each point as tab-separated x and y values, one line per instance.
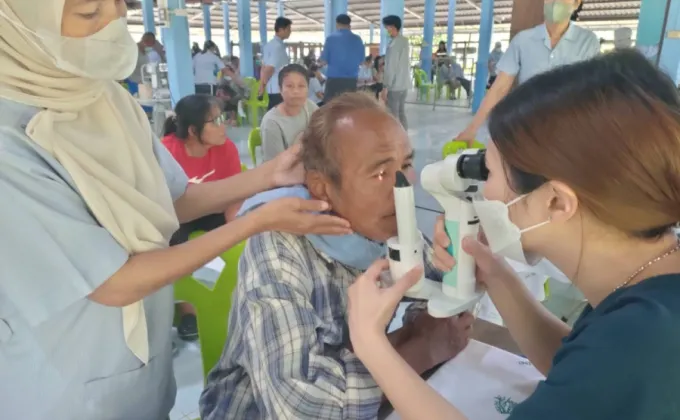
90	199
569	182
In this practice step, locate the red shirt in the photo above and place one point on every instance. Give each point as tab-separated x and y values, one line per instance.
220	162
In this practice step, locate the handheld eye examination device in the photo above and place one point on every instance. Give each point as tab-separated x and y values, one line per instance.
453	182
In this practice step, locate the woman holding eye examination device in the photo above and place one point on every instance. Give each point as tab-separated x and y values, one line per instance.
584	170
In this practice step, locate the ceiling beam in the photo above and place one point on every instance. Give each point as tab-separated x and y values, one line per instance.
358	16
412	13
302	15
473	4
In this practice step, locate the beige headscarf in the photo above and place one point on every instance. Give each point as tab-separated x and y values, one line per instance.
97	131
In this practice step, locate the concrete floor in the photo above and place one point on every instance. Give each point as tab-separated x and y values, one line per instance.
429	130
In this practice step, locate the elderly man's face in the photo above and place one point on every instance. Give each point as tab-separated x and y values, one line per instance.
371	147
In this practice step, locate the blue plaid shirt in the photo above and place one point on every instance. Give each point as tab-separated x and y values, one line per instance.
286	356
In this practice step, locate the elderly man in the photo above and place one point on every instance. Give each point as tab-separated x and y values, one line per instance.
288	354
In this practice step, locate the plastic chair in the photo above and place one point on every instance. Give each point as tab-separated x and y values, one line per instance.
254	141
455	146
244	167
212	306
423	85
254	104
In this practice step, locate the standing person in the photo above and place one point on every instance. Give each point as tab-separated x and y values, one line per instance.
90	199
566	169
207	65
343	52
274	58
397	79
153	49
494	58
282	125
555	43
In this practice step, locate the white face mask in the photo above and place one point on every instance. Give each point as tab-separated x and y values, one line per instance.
110	54
502	235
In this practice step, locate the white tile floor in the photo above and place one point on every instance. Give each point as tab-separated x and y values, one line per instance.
429	130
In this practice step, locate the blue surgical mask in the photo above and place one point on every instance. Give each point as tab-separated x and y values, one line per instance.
353	250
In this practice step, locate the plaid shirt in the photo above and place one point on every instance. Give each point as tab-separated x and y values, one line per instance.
286	355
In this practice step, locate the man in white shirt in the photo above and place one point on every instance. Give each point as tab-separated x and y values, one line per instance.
274	58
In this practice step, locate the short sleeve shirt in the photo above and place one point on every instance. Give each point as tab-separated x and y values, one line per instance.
275	55
206	67
219	163
530	51
619	362
63	356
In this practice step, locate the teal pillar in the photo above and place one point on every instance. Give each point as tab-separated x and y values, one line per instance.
207	24
245	42
148	16
451	26
178	53
329	17
428	36
650	22
262	13
339	8
669	56
482	72
281	10
227	35
387	8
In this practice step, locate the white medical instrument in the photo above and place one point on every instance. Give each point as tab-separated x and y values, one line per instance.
453	182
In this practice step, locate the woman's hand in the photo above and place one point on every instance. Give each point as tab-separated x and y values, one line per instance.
298	216
287	167
370	307
489	266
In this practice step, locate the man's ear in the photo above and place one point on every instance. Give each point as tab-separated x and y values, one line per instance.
317	185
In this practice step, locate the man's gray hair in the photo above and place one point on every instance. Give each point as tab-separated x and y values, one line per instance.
319	145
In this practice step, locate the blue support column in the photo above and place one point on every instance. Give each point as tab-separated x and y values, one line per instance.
428	36
207	24
281	10
149	16
482	73
339	8
177	48
227	37
329	17
387	8
451	27
245	42
650	22
669	60
262	13
370	33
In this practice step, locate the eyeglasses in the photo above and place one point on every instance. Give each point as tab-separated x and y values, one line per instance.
219	120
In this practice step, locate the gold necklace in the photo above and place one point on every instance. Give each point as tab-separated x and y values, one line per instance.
646	265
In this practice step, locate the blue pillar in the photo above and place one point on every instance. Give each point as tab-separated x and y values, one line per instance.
225	18
207	24
451	27
177	48
339	8
669	60
262	7
244	40
370	33
387	8
329	17
149	16
428	36
482	73
650	22
281	10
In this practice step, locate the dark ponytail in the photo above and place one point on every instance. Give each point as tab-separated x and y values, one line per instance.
190	111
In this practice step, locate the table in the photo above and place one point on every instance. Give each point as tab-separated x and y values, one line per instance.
484	382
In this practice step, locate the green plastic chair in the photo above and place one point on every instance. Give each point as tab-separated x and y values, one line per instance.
212	306
423	85
455	146
254	104
254	141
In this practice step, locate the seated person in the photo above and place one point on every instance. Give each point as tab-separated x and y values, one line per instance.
196	138
316	85
454	76
288	354
231	89
365	78
283	124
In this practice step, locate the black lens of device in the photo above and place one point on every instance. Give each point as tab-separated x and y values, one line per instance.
473	166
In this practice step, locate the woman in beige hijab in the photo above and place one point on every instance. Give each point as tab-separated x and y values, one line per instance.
88	201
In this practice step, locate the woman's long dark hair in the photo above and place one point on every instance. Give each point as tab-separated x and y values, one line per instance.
190	111
212	47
